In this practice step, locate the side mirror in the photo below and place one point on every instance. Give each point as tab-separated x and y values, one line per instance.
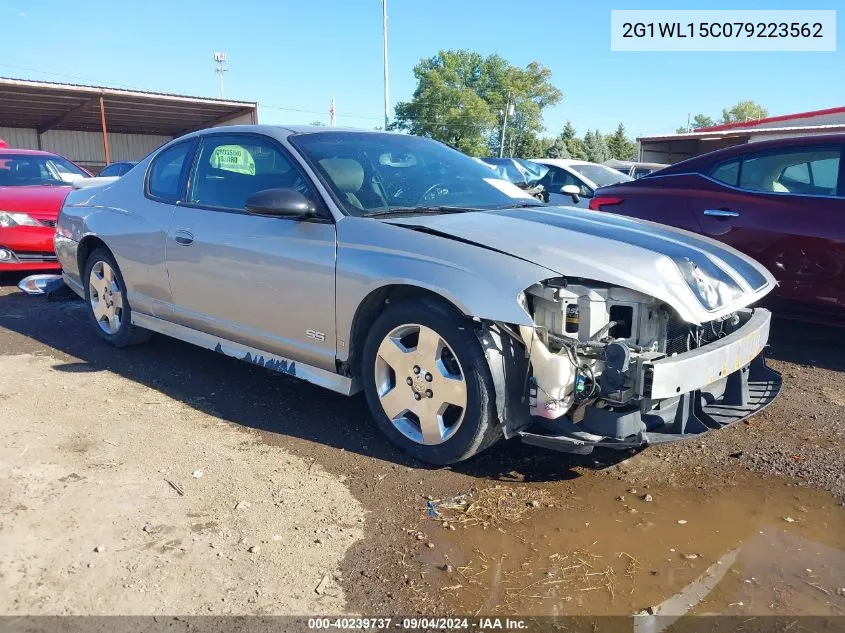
282	203
572	190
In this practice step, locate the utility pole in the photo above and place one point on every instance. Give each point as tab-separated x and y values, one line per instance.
509	109
386	80
220	61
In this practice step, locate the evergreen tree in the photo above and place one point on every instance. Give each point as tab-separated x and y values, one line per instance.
596	147
619	146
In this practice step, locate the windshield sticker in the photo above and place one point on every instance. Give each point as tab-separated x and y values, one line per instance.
508	188
233	158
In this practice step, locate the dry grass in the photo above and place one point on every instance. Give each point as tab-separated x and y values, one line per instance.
491	507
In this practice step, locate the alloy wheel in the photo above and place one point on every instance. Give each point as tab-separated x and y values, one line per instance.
420	384
106	297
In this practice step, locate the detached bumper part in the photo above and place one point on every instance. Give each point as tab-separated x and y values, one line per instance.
680	396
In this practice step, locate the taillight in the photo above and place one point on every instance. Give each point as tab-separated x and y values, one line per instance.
603	201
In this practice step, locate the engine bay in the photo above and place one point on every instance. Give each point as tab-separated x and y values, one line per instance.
590	341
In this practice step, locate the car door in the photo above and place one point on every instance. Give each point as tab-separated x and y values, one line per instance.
264	282
784	207
558	177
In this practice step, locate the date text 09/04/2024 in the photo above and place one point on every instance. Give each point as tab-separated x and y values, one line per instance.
418	624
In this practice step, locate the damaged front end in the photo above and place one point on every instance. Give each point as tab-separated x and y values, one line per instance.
613	367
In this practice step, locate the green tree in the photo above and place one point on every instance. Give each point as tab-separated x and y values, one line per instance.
698	121
596	147
461	98
702	120
574	145
744	111
557	149
619	146
531	92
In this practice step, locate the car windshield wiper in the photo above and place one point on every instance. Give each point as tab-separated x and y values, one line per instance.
522	205
433	210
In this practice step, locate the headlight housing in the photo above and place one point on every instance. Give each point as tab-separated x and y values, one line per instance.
11	218
712	286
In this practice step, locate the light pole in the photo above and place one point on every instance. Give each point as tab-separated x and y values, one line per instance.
220	61
508	111
386	79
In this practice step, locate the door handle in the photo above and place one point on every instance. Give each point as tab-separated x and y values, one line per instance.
183	237
721	213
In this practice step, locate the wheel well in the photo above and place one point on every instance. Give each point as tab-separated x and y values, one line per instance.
369	310
86	247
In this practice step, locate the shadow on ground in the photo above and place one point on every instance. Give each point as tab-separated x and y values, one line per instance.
807	344
284	408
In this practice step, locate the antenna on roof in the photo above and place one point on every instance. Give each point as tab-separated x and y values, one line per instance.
220	61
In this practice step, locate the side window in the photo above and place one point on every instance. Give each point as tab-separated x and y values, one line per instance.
792	172
557	178
825	173
798	174
727	173
231	168
166	172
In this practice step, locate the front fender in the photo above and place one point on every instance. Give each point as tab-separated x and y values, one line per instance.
479	282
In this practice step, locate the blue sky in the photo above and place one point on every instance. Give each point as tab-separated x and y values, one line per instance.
295	54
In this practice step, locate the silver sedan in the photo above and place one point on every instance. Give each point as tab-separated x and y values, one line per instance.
465	310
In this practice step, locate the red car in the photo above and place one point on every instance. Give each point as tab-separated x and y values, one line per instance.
781	202
33	185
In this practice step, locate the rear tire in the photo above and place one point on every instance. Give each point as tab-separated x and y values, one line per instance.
107	306
428	384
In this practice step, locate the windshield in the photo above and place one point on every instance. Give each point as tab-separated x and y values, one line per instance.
517	170
373	173
23	170
600	174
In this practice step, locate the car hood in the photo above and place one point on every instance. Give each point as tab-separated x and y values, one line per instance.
626	252
41	202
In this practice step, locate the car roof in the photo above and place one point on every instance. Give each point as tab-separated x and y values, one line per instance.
25	152
275	130
739	150
631	163
561	162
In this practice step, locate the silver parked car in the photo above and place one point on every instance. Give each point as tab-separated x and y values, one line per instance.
463	308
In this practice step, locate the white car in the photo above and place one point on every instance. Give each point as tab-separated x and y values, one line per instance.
580	177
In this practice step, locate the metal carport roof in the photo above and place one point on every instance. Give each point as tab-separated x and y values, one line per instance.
45	106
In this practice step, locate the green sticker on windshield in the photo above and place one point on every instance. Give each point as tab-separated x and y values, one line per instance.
233	158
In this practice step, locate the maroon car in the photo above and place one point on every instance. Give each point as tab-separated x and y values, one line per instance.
781	201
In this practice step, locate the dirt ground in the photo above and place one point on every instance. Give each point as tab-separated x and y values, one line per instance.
86	461
145	505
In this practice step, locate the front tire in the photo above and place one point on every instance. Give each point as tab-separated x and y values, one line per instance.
108	308
428	384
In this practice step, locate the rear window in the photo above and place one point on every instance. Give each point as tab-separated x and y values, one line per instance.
26	170
166	172
601	175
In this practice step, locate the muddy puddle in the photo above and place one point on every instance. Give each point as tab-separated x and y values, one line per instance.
596	546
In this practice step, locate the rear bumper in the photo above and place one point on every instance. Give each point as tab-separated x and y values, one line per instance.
682	396
27	248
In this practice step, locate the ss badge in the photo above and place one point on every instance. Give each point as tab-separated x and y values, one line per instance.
316	336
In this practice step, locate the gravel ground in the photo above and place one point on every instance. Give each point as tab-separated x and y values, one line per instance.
799	441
